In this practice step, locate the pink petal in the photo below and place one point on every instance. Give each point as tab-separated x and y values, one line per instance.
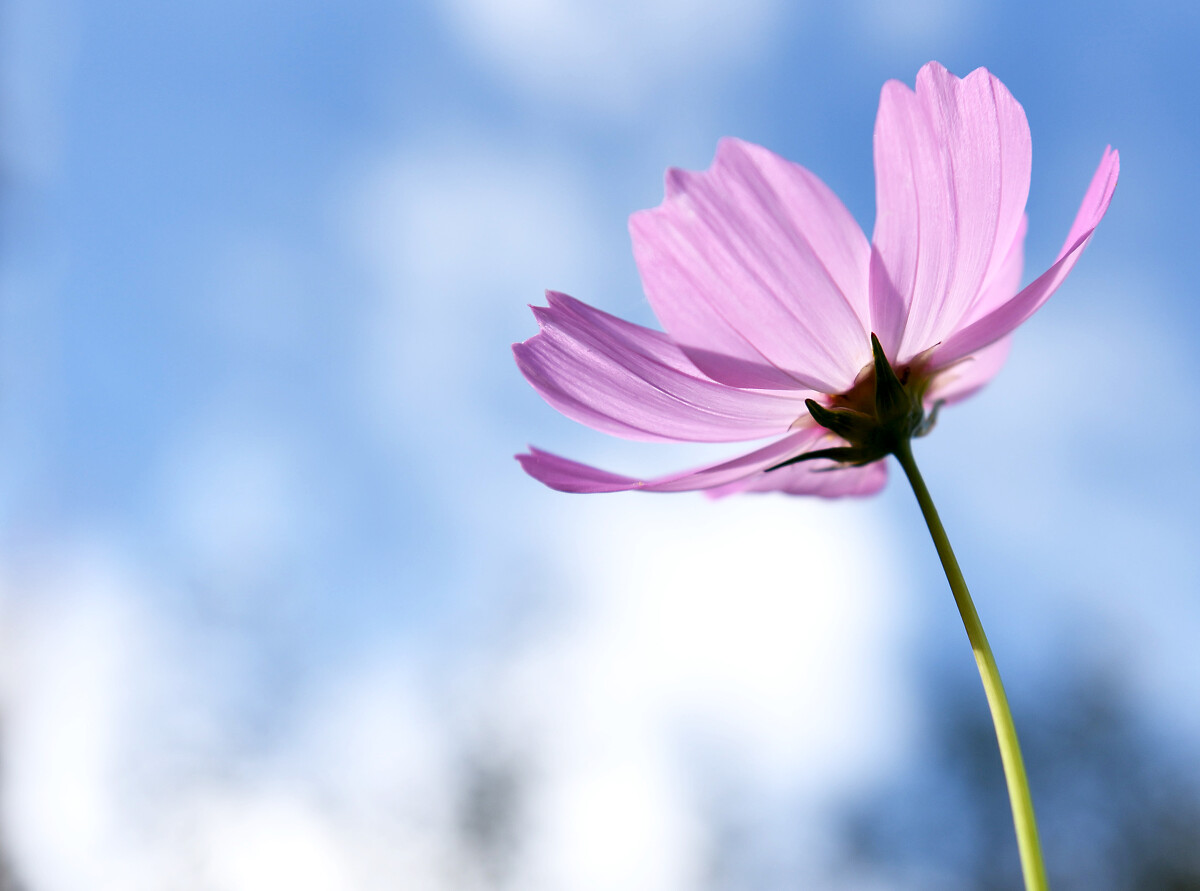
1006	317
821	478
564	475
952	163
758	271
571	476
967	376
633	382
1005	280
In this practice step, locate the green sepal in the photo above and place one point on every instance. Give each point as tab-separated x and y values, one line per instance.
898	415
845	422
891	398
845	454
930	422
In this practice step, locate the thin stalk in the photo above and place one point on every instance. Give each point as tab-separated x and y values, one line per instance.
1006	734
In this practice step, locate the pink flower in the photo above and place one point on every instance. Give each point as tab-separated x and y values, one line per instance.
769	293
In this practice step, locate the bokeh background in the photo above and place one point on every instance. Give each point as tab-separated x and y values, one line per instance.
279	610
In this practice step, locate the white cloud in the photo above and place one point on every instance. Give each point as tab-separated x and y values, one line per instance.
610	55
914	26
756	644
459	214
123	773
621	820
270	839
458	241
777	622
76	660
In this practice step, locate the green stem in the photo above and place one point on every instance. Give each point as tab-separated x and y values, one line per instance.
1006	734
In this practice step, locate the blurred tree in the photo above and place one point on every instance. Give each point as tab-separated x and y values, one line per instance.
1118	806
489	807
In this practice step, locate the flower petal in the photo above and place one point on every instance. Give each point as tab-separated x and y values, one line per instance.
968	375
634	382
758	271
952	163
1006	317
565	475
571	476
822	478
1005	279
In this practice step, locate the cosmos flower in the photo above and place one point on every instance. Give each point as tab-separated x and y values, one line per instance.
769	294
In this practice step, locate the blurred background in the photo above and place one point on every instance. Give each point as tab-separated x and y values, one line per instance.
279	610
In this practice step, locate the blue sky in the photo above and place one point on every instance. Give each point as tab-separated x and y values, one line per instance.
263	535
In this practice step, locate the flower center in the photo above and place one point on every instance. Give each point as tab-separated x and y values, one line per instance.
882	410
861	396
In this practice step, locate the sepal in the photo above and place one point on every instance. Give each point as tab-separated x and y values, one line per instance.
882	411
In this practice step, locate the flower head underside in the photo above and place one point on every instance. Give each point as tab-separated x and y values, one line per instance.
771	299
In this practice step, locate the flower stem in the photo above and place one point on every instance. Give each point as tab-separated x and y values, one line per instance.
1006	734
